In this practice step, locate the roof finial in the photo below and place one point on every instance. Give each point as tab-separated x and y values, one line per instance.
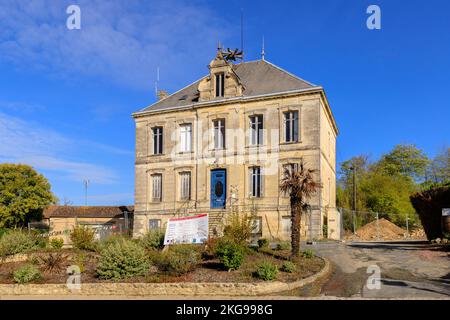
219	46
263	51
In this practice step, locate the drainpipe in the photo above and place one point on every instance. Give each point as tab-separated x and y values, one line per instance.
196	159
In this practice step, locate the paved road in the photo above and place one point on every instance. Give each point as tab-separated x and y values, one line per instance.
408	270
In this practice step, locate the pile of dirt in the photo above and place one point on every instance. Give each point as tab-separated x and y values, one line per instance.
418	234
381	230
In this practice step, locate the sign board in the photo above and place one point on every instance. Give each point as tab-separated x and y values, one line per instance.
187	230
446	212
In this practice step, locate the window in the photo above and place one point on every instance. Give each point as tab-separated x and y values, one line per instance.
219	134
290	167
185	137
154	224
255	182
256	130
157	140
185	183
220	84
156	187
291	126
286	225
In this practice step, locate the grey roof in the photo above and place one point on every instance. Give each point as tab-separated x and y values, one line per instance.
258	78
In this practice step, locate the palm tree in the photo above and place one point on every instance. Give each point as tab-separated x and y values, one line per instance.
301	186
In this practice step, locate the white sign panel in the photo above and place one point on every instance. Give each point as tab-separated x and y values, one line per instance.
446	212
187	230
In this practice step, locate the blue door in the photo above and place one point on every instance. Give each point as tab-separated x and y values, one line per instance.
218	188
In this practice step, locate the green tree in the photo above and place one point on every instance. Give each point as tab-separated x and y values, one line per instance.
301	186
439	170
389	196
407	160
344	195
24	194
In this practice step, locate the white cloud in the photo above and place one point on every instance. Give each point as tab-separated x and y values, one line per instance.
122	41
19	106
76	171
28	142
112	199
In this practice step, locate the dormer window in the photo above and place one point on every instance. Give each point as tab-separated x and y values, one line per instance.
220	84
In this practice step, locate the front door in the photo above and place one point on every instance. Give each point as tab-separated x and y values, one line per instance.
218	188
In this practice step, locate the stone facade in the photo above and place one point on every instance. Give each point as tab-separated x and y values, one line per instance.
315	146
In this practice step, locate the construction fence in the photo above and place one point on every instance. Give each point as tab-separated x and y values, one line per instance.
378	226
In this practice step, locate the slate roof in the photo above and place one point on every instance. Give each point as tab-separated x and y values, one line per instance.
258	78
86	211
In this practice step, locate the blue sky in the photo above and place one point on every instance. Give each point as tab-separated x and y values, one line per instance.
66	96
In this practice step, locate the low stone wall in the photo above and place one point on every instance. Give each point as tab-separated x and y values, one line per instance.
161	289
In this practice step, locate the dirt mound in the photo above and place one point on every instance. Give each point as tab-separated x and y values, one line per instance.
418	234
383	230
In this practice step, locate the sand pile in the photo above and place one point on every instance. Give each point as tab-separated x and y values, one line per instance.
386	231
418	234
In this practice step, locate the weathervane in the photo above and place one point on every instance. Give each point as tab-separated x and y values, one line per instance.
232	55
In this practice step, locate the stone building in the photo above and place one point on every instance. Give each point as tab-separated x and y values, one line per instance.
224	141
104	220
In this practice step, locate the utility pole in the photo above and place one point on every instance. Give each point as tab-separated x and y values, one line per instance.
86	184
407	225
354	187
353	168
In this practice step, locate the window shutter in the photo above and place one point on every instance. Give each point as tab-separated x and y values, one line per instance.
161	141
262	181
250	181
260	130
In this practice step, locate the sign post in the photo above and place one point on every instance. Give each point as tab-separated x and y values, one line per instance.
446	220
187	230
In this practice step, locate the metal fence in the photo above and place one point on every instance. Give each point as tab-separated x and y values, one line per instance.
378	226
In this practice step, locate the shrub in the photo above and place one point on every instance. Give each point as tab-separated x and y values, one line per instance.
56	243
16	241
262	243
239	227
308	254
122	259
154	239
80	260
230	253
178	259
266	271
283	245
209	251
83	238
325	230
104	243
39	237
3	231
288	267
53	261
26	274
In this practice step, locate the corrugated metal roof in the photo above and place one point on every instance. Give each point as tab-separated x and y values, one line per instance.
258	78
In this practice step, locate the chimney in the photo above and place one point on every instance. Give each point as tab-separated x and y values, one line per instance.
162	94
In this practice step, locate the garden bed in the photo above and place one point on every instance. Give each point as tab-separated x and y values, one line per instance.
207	271
119	265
